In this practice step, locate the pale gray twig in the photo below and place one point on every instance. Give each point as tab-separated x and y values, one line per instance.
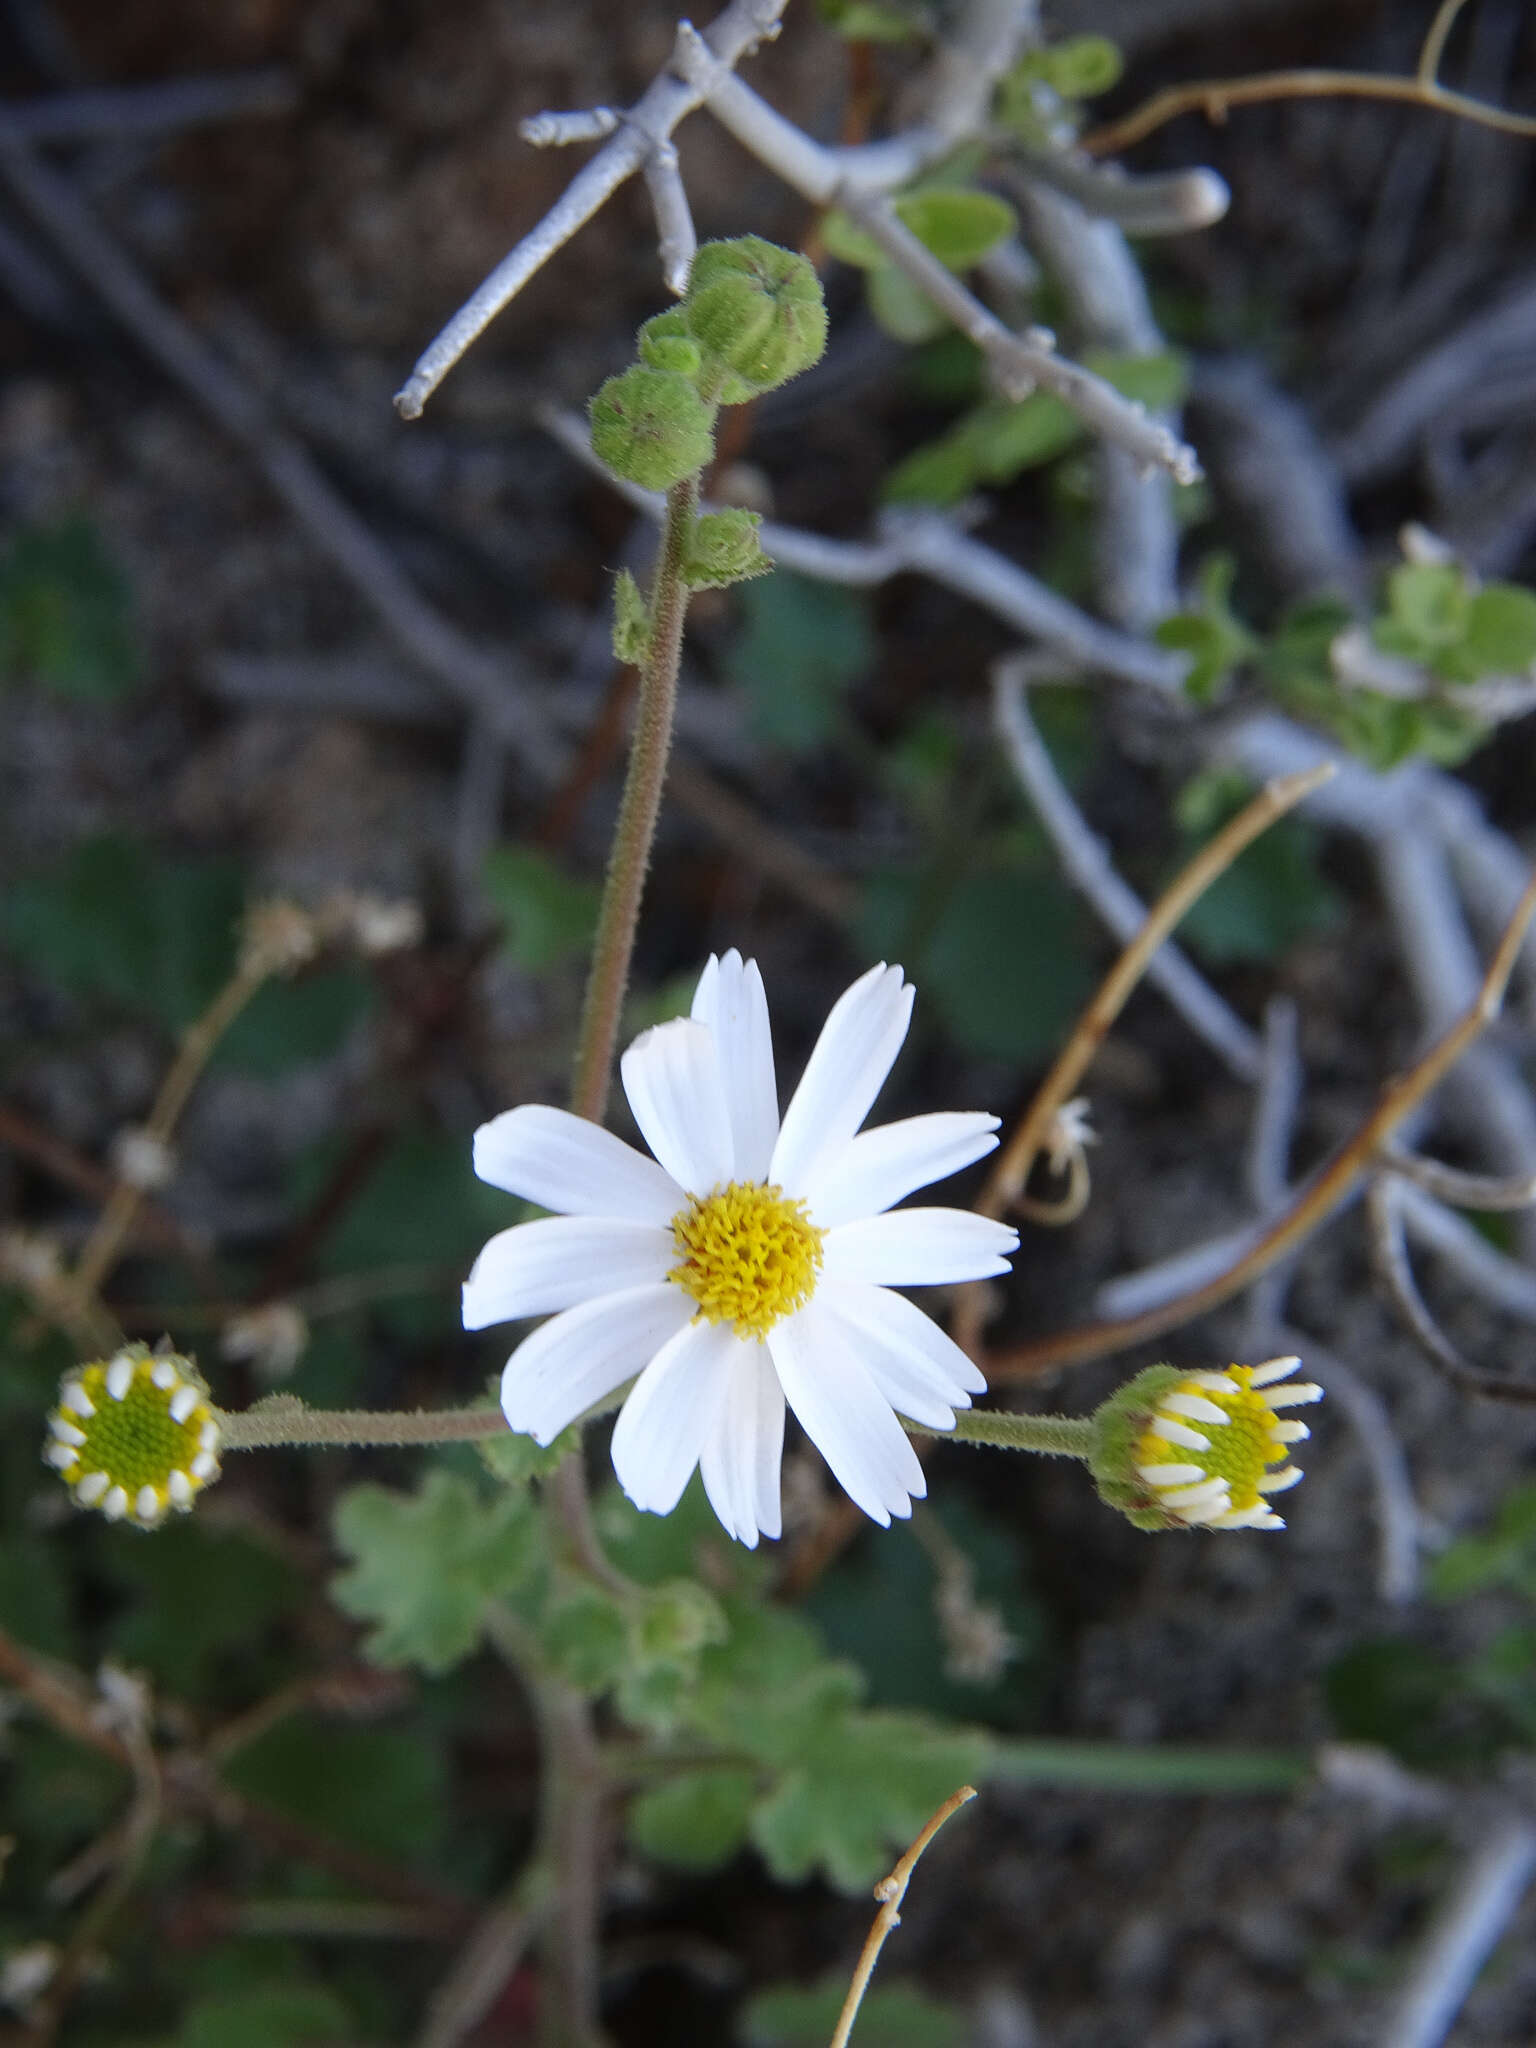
558	131
1274	1108
1462	1190
1136	539
1088	867
1270	468
644	127
1480	1265
1023	363
1163	203
1398	1522
1463	1934
1134	1294
1391	427
1389	1252
464	669
119	111
676	239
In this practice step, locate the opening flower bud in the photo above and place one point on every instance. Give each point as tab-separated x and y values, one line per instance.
1201	1450
757	311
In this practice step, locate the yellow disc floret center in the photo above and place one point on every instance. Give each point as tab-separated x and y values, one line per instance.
1240	1453
748	1254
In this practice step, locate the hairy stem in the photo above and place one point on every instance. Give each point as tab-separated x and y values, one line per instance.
630	856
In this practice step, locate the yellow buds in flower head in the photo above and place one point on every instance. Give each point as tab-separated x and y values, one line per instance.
1203	1450
756	310
134	1435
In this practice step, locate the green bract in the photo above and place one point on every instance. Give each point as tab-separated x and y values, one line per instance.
1118	1425
666	344
651	427
757	312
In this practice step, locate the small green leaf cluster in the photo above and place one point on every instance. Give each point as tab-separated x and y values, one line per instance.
1459	630
66	614
999	439
957	223
754	1735
876	21
1433	614
434	1571
1039	97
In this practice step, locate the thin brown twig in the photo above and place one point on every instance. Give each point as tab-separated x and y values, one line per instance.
1394	1268
1005	1183
1314	1201
1011	1168
196	1049
1214	96
156	1226
890	1891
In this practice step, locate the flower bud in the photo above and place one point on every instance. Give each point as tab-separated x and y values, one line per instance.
757	311
651	427
134	1435
723	548
1194	1449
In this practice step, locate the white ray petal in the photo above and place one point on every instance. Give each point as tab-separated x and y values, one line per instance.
731	1002
1280	1480
1298	1396
846	1416
674	1406
918	1357
1288	1432
845	1072
1194	1408
1273	1369
672	1078
1171	1475
918	1248
1203	1495
903	1378
1179	1433
743	1452
581	1356
876	1169
535	1268
574	1167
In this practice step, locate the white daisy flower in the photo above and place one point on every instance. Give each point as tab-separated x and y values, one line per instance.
750	1263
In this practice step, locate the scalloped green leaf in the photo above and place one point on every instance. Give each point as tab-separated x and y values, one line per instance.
426	1566
697	1822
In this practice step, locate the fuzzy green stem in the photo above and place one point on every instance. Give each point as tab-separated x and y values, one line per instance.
630	855
1055	1436
282	1419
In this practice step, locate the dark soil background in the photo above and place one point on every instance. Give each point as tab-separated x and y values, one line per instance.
317	250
